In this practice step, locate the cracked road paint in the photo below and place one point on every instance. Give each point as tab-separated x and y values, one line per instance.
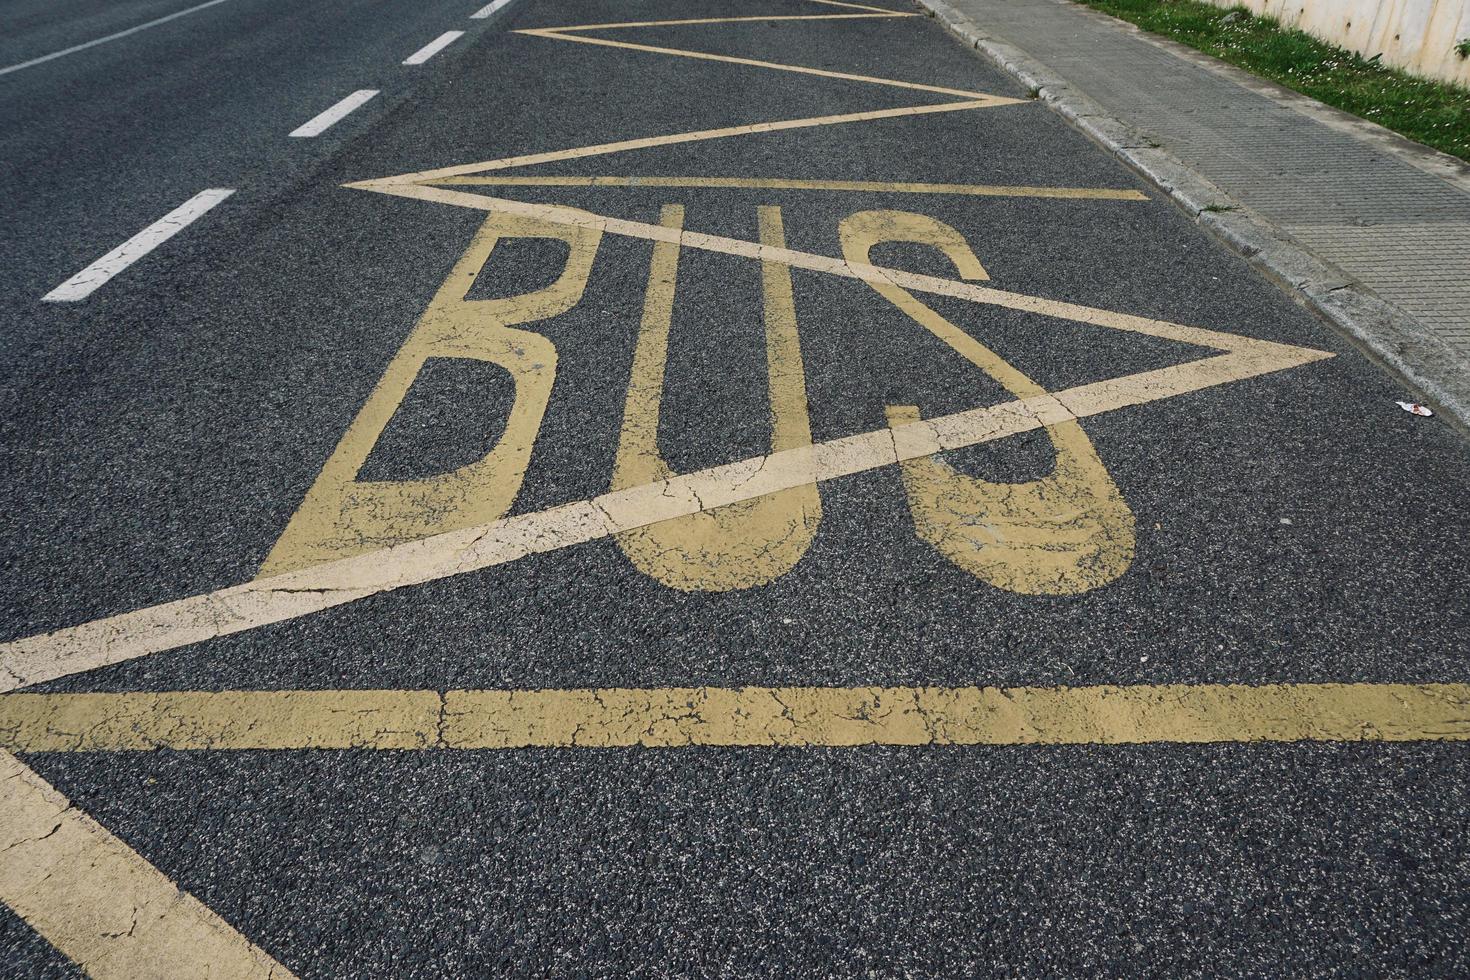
96	900
727	527
749	716
744	544
290	595
344	516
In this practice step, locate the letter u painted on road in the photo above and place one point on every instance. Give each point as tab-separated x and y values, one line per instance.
744	544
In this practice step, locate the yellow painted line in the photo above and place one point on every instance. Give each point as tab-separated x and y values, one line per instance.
556	35
880	275
856	6
746	716
293	594
99	902
791	184
222	720
671	139
624	25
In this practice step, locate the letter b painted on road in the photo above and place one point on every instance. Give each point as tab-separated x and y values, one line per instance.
343	516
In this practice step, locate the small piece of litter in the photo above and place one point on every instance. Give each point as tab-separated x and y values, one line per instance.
1414	408
1286	520
1143	660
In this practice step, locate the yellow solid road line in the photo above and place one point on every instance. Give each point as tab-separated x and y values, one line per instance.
684	22
774	183
99	902
748	716
857	6
554	33
671	139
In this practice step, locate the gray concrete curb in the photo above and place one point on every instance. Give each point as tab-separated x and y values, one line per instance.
1391	337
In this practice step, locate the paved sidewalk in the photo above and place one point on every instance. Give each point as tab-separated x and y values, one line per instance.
1390	215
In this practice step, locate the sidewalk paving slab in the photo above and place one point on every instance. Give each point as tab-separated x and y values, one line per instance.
1367	228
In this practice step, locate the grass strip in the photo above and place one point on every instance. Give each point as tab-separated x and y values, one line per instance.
1434	113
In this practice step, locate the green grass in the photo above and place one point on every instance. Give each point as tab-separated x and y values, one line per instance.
1433	113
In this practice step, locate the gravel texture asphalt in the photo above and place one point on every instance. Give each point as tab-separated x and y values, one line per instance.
1294	527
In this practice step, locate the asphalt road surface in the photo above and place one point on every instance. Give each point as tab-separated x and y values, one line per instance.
749	495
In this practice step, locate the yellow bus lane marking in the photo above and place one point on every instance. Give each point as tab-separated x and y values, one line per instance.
99	902
972	100
343	515
1064	533
290	595
794	184
556	34
873	14
672	139
576	33
858	6
197	721
741	545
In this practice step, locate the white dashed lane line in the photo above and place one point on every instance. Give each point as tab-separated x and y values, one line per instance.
84	283
111	37
489	9
428	51
321	122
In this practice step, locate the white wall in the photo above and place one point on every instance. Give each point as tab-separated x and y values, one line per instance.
1417	35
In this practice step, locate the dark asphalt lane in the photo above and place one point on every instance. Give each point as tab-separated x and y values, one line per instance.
1294	527
1085	861
36	30
101	143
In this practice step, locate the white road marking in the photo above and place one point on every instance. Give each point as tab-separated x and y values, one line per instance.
428	51
290	595
486	11
320	123
84	283
99	902
111	37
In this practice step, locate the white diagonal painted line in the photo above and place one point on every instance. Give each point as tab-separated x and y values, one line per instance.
489	10
111	37
86	282
294	594
325	120
428	51
99	902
